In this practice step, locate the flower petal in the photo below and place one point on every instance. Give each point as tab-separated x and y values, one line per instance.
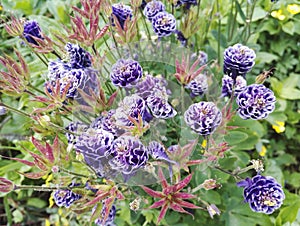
152	193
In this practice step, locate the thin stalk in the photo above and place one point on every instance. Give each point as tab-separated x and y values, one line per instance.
198	8
228	172
146	26
15	110
219	32
72	173
35	89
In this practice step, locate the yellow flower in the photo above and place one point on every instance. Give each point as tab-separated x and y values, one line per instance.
47	222
204	143
278	14
263	151
293	9
279	127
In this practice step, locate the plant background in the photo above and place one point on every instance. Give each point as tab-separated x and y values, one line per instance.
273	32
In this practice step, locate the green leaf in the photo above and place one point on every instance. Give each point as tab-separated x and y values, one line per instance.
239	9
265	57
288	214
17	216
235	137
36	202
289	27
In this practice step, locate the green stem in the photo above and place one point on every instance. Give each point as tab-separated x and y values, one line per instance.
38	188
219	32
36	89
15	110
228	172
72	173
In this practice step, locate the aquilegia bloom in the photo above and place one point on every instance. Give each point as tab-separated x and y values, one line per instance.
153	8
126	73
32	30
255	102
129	154
263	194
238	60
65	197
228	85
203	117
121	12
198	85
164	24
79	58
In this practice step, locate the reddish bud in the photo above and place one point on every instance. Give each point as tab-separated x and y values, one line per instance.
6	185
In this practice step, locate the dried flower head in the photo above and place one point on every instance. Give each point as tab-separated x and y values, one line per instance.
203	117
255	102
263	194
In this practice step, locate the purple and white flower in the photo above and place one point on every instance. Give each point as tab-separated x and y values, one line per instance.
65	197
238	60
164	24
129	155
255	102
203	117
126	73
153	8
264	194
79	58
198	85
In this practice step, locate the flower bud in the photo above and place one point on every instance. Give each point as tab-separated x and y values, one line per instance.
6	185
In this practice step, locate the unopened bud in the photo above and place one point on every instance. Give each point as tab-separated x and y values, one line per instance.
6	185
210	184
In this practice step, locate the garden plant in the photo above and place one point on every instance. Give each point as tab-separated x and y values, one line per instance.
173	112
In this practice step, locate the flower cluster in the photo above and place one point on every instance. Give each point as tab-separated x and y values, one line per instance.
263	194
163	23
255	102
203	117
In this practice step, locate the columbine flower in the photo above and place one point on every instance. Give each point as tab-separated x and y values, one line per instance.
157	151
94	143
65	197
159	106
181	38
107	122
129	155
238	60
31	31
126	73
152	8
263	194
57	69
198	85
121	12
130	108
188	3
75	127
228	85
255	102
149	85
203	117
164	24
79	58
213	210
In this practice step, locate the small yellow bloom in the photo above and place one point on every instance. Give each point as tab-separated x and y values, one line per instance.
293	9
279	127
278	14
204	143
263	151
47	222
